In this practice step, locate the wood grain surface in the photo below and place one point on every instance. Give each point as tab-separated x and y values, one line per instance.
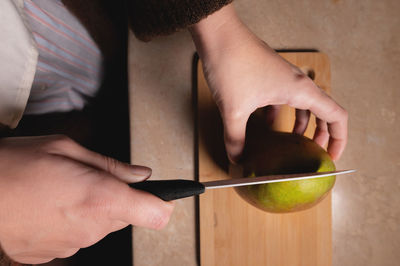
232	232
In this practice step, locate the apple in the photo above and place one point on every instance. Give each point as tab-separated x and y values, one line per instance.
285	153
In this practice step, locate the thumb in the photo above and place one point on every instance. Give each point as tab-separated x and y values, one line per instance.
117	202
234	136
136	207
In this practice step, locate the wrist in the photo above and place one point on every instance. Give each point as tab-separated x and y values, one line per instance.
218	31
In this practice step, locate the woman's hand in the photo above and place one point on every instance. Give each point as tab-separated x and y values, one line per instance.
57	197
244	74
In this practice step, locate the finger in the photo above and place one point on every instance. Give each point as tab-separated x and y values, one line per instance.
234	136
325	108
271	112
147	210
134	206
321	134
336	144
301	123
125	172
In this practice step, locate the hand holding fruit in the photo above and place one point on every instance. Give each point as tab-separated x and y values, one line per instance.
269	153
244	74
57	197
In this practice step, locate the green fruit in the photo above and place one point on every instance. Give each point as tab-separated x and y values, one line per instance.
285	153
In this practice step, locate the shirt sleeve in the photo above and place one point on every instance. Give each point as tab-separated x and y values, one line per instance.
149	18
18	60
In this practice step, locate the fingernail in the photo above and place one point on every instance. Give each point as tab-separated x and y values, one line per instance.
141	171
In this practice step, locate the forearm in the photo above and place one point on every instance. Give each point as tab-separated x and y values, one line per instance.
219	31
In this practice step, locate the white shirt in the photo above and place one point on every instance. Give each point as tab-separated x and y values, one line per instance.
48	60
18	60
70	63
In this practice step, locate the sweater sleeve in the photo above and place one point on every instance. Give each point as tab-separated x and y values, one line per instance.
150	18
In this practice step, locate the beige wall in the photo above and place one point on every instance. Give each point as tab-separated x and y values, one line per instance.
362	39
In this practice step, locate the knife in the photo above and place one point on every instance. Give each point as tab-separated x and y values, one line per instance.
168	190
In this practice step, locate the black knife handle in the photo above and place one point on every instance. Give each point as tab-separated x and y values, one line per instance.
170	189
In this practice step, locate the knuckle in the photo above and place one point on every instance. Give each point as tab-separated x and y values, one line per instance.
110	164
302	79
309	88
233	114
305	95
340	113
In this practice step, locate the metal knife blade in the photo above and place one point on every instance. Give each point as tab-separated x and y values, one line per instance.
181	188
236	182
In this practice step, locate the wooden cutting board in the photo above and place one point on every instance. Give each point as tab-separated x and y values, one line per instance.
232	232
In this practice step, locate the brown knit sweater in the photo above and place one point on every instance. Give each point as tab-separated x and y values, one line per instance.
149	18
